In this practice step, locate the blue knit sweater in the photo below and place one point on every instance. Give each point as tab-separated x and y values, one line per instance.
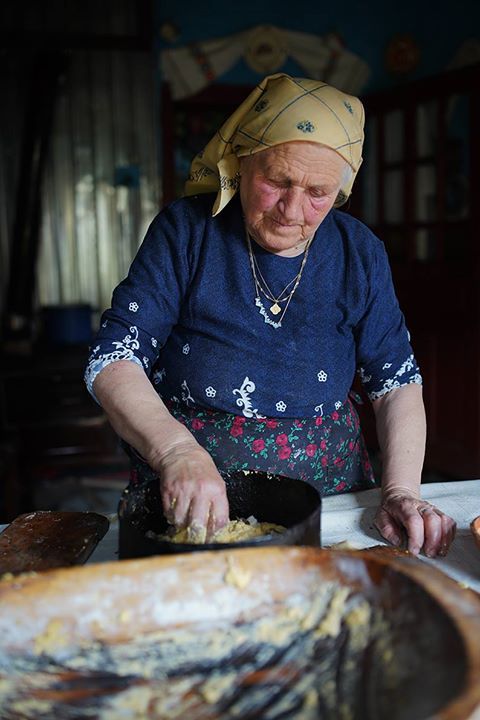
187	314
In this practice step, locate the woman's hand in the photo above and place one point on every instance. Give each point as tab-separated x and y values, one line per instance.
400	417
192	490
424	525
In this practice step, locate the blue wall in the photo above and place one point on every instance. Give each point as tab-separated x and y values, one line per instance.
366	28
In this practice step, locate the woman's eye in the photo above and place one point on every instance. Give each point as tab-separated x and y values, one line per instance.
276	182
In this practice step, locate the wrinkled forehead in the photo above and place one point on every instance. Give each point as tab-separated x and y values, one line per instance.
300	156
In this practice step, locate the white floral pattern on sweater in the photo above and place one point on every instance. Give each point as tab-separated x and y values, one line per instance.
244	401
394	382
124	350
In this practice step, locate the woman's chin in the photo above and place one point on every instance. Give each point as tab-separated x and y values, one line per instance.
282	243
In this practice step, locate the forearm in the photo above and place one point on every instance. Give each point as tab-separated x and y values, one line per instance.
137	413
401	432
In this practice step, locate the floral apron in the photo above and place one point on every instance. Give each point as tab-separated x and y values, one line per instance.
327	452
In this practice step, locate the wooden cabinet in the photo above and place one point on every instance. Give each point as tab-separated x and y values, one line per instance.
419	191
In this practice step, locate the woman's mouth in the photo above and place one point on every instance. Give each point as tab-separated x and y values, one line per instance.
284	225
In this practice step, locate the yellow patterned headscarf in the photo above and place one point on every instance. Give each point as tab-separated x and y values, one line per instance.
280	109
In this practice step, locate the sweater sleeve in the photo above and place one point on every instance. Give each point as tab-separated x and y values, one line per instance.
385	358
146	305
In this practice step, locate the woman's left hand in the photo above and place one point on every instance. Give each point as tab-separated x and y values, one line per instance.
425	526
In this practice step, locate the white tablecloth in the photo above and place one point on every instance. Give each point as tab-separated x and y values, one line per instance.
350	518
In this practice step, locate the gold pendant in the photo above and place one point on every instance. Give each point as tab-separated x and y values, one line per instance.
275	309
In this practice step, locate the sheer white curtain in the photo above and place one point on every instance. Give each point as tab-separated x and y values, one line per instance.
101	187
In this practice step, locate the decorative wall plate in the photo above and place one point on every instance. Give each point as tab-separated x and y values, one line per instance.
265	50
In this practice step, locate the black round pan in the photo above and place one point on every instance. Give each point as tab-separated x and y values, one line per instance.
269	498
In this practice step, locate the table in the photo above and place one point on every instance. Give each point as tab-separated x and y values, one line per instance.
350	518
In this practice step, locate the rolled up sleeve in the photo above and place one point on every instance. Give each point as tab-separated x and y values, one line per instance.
385	358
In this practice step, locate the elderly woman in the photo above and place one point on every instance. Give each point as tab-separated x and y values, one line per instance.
234	341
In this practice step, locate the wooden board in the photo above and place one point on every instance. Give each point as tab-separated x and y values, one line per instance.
45	539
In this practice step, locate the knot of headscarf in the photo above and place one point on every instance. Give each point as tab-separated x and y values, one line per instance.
280	109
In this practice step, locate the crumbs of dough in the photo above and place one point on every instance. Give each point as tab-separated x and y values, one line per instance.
234	531
236	575
215	687
55	636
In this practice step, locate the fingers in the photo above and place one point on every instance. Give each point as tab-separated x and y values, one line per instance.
388	527
219	512
433	535
196	533
447	535
211	513
404	511
425	525
188	503
193	492
176	508
439	530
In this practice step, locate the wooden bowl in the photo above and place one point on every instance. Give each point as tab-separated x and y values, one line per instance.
475	528
273	632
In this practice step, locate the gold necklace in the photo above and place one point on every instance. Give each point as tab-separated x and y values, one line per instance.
265	290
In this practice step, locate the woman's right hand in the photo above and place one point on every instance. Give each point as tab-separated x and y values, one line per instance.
192	490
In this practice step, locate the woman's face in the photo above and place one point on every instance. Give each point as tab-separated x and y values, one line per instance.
286	192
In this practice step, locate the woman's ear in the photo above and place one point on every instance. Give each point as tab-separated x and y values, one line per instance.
341	199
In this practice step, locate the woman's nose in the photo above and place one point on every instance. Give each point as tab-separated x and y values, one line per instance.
290	204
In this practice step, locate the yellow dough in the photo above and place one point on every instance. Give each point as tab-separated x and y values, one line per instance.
234	531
